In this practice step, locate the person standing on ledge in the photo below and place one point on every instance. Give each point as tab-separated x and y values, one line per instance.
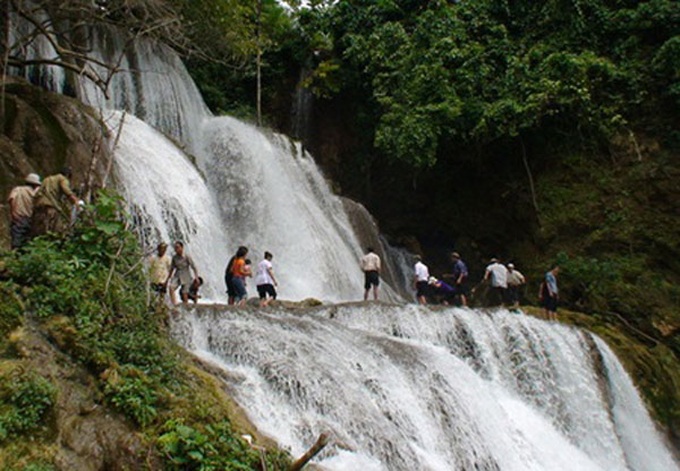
515	282
265	280
497	275
549	293
180	272
49	214
160	265
420	280
21	209
459	274
370	265
239	272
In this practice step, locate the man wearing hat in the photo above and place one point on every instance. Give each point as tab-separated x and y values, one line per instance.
515	282
21	209
497	275
159	269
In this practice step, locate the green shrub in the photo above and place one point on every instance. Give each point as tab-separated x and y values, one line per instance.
214	447
85	289
132	392
93	277
11	308
25	399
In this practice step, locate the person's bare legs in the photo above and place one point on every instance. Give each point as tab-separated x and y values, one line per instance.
375	293
173	295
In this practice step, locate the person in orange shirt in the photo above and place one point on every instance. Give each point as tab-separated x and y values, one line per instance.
239	271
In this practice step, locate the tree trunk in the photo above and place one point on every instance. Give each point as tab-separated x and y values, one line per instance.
321	442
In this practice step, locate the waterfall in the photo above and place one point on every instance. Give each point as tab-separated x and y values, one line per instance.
273	197
217	183
402	387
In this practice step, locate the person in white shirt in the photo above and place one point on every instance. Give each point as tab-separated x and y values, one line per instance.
515	281
497	275
422	275
265	280
370	265
159	269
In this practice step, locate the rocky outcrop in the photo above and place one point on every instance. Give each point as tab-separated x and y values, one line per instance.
44	131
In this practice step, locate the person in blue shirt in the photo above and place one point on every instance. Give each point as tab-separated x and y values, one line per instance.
549	293
459	275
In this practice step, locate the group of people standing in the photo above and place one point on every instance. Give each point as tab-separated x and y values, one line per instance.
179	272
505	283
38	207
454	292
239	269
174	273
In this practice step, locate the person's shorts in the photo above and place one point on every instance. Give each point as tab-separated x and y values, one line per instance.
550	303
183	289
422	288
372	278
159	288
513	294
231	291
267	289
239	288
462	288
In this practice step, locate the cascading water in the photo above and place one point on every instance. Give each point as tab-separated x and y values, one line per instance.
399	387
168	196
256	189
409	388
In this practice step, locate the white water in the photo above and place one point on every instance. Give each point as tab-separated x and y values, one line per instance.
408	388
258	190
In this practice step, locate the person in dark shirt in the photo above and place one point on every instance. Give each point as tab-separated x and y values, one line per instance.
459	277
442	290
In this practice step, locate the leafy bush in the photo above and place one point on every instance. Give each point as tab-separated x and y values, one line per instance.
85	290
25	399
132	391
214	447
93	277
11	308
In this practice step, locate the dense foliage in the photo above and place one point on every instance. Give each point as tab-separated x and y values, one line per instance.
440	73
86	292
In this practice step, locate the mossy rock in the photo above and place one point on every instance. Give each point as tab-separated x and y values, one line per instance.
11	309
